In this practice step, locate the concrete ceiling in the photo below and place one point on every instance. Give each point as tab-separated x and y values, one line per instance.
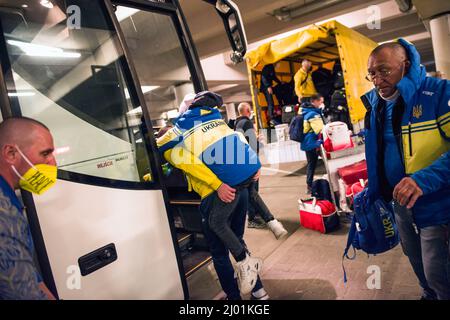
261	23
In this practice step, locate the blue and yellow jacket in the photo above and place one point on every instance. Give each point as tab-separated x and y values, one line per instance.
421	122
208	150
312	126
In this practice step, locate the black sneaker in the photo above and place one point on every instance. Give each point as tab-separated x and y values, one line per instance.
256	224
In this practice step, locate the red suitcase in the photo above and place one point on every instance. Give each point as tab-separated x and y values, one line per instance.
352	173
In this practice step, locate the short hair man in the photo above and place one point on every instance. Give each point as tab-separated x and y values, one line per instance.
25	144
304	85
407	151
256	204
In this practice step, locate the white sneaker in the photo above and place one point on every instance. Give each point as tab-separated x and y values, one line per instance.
261	294
247	273
277	228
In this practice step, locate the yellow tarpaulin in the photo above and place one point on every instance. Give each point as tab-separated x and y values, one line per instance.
353	49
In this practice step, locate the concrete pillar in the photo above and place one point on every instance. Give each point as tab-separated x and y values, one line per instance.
440	35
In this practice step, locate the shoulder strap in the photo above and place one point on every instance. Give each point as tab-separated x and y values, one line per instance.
303	82
351	236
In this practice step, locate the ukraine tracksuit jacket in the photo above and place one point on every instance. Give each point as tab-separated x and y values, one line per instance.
421	122
210	153
312	126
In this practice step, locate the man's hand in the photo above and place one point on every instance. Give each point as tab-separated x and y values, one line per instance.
269	90
226	193
406	192
256	176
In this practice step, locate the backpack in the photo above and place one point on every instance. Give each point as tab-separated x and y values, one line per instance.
373	229
296	129
287	113
320	189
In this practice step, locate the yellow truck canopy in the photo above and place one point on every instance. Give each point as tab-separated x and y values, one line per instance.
321	43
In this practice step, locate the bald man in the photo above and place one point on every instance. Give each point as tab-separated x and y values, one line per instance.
408	160
23	142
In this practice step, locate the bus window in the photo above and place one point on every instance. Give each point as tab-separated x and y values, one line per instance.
71	78
159	59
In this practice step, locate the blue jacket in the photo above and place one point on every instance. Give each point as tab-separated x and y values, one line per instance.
312	126
203	134
421	122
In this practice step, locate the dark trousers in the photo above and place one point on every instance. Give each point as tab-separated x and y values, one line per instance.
219	252
270	104
256	204
311	158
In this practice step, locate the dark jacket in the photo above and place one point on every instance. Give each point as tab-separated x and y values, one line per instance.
245	126
268	75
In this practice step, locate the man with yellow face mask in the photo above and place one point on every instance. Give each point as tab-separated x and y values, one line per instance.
26	162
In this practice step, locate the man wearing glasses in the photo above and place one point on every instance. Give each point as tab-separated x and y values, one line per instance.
407	150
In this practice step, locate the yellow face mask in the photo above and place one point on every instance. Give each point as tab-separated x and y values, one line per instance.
39	178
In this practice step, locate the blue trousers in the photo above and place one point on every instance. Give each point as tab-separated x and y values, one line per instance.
219	252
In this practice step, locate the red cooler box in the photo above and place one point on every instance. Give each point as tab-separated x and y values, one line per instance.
353	173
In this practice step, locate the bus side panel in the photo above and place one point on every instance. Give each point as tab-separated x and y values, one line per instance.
77	219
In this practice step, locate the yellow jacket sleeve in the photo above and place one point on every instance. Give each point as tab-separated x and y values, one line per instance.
316	124
184	160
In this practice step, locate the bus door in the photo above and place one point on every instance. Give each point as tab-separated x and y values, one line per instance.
103	231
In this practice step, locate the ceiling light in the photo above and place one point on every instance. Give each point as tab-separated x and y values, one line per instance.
144	89
38	50
61	150
124	12
46	3
24	6
135	111
21	94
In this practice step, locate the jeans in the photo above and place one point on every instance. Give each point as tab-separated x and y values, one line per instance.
418	250
220	215
219	252
311	158
270	103
436	258
256	204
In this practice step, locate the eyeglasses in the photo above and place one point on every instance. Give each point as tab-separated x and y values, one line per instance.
383	73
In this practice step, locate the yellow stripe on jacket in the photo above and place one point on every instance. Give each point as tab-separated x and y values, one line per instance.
423	143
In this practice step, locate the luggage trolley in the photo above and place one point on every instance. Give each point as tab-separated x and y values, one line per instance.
339	159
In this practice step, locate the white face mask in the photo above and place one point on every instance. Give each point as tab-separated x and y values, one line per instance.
393	97
322	106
